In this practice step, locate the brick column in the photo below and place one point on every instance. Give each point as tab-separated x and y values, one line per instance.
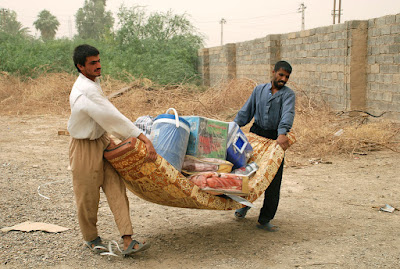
230	54
204	66
358	35
273	51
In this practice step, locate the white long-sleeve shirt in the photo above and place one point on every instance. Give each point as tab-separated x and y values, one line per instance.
92	114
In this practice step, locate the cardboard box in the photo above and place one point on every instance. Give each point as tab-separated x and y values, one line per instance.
208	137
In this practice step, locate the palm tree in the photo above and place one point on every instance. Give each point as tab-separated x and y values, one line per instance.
47	24
10	25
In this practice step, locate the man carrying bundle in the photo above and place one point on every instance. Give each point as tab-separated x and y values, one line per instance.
92	118
272	105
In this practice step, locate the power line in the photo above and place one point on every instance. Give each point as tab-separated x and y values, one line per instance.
247	19
263	17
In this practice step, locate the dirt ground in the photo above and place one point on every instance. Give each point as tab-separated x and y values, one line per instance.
328	216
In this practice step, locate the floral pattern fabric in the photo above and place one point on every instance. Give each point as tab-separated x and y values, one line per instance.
159	182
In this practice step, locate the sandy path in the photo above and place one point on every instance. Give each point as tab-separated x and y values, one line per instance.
329	214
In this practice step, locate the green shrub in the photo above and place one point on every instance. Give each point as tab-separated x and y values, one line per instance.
161	47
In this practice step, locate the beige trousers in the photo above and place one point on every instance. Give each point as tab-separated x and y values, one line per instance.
90	172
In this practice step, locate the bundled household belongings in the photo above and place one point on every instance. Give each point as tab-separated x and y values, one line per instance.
247	170
193	165
145	123
170	137
208	137
239	149
159	182
220	183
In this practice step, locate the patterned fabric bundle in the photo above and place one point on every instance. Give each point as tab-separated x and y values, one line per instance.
159	182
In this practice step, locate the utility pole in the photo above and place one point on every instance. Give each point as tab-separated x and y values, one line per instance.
334	11
222	22
301	10
337	12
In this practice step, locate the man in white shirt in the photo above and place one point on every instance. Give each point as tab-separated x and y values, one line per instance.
93	118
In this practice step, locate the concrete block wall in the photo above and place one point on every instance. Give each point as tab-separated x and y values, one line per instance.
221	64
383	80
255	59
319	60
352	66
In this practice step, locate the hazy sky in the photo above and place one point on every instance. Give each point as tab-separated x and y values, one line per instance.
245	20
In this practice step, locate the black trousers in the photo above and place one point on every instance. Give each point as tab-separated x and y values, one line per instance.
271	195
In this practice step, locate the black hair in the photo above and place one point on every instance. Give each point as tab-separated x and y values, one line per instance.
81	52
283	65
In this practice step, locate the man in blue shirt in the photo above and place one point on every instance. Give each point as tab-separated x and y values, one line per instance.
272	105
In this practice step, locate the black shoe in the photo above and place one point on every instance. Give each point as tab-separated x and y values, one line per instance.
268	227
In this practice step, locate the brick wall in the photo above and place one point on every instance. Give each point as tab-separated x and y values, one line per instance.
318	57
352	66
383	79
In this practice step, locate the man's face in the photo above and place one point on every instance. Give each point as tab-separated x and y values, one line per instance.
92	68
280	78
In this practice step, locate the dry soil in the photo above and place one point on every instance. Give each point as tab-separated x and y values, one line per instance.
329	215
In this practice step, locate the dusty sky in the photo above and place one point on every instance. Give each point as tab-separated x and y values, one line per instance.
245	20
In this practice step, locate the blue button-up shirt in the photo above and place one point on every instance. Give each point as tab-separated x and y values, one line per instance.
270	111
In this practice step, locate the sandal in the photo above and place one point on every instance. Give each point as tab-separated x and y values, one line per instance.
131	249
96	245
241	213
268	227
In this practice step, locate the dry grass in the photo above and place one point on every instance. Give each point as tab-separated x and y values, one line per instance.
315	124
220	103
44	95
323	132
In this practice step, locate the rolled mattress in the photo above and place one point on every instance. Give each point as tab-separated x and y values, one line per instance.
159	182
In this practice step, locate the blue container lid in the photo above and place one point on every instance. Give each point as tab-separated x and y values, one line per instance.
172	117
